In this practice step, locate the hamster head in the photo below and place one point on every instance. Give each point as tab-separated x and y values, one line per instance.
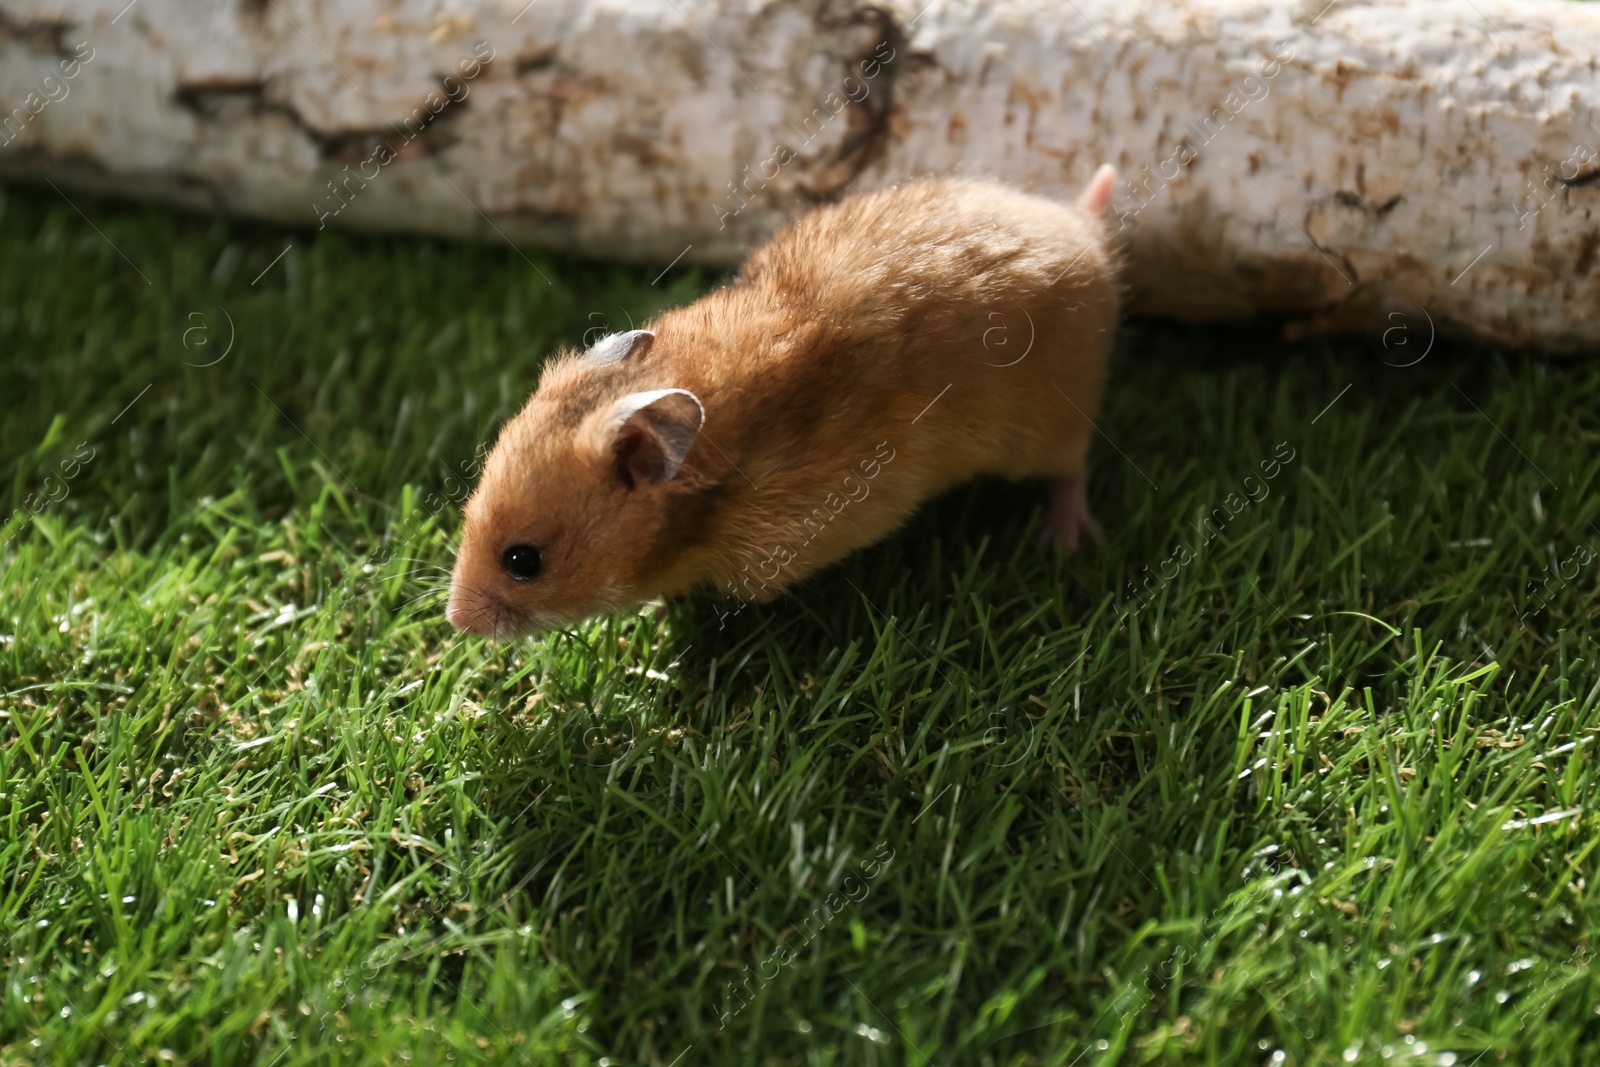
572	512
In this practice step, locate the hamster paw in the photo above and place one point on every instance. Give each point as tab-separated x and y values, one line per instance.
1067	517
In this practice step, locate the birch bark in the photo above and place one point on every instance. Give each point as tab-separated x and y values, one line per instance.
1325	162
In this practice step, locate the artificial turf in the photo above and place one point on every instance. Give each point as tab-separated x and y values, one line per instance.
1321	791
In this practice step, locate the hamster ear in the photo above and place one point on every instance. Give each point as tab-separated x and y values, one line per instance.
651	433
1097	194
616	347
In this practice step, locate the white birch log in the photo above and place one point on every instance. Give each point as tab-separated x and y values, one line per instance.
1324	162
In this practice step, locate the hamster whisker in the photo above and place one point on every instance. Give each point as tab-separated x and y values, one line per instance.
425	595
483	611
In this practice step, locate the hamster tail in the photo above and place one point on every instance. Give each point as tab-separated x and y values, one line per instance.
1096	196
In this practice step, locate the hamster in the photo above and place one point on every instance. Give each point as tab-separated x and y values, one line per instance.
873	354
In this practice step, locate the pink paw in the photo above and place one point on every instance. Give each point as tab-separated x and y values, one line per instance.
1067	517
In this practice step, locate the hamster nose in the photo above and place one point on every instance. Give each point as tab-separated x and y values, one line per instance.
458	612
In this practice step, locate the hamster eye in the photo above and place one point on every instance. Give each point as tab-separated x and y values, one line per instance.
522	562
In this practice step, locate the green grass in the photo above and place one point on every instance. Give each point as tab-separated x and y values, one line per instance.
260	805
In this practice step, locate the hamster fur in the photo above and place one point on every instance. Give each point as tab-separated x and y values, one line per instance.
873	354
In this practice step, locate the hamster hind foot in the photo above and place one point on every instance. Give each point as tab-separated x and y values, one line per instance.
1067	517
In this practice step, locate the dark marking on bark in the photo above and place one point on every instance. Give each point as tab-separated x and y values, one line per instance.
1341	76
38	35
867	119
1352	200
641	148
1586	252
223	98
414	135
534	62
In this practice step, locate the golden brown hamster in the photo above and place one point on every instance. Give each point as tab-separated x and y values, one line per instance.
871	355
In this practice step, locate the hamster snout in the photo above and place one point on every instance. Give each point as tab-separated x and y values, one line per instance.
728	444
